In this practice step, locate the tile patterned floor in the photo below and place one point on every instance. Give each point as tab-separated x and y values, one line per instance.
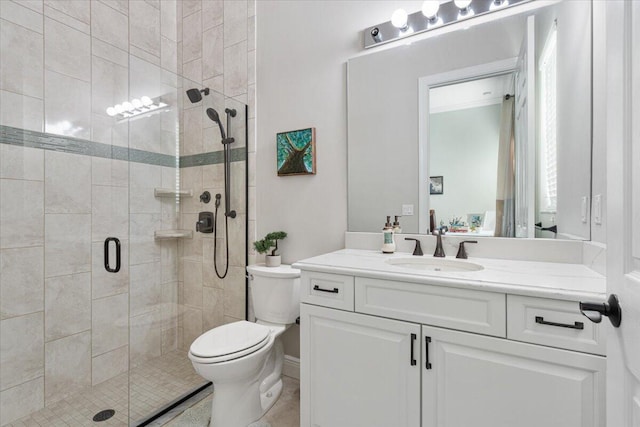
285	412
152	386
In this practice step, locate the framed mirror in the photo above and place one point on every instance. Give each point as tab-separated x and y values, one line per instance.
435	115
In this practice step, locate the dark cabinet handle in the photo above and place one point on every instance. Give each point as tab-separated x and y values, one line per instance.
576	325
427	364
412	358
331	291
107	265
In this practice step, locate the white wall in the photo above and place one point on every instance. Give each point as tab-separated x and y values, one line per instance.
463	149
302	49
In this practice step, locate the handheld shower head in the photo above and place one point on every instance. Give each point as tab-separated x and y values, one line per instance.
195	94
213	115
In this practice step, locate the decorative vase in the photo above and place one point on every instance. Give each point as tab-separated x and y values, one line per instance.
272	260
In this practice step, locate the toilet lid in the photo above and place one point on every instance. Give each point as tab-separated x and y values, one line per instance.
229	339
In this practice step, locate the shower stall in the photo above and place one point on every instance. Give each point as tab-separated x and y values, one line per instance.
104	280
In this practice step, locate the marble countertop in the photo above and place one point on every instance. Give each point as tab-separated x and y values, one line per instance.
538	279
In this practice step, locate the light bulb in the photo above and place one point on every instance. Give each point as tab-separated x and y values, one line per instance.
111	111
399	19
146	101
462	4
136	103
119	109
128	106
430	8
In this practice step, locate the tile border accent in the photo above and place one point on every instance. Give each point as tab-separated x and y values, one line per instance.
66	144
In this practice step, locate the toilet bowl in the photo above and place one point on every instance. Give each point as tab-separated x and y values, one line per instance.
244	359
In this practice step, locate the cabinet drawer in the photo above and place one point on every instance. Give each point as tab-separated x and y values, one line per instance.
328	290
551	322
462	309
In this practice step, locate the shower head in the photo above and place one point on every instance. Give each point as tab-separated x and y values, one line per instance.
195	96
213	115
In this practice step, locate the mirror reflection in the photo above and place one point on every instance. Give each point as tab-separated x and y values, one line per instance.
487	134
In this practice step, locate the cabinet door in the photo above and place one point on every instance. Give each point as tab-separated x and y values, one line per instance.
358	370
481	381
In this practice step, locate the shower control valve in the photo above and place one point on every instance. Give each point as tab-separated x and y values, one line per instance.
205	222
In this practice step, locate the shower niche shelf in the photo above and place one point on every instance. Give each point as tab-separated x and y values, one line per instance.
172	192
173	234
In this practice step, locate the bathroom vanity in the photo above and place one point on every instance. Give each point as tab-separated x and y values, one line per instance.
396	340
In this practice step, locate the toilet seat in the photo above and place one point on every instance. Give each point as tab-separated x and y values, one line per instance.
230	341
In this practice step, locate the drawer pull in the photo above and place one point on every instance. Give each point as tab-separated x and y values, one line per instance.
413	340
331	291
427	364
576	325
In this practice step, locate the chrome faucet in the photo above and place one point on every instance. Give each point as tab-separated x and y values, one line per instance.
439	249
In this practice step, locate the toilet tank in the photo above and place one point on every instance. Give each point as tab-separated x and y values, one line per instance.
275	293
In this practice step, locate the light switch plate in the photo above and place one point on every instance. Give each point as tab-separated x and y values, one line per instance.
597	209
407	210
583	208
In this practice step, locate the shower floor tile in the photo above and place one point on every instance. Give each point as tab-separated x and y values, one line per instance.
151	386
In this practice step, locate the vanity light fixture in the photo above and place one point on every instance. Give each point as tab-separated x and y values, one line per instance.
399	19
135	107
430	10
465	8
434	14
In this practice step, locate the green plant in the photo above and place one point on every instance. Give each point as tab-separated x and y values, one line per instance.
270	241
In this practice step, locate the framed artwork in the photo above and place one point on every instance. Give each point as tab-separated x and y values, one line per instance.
296	151
475	220
436	185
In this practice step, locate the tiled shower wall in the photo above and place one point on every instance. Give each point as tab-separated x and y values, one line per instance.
217	50
66	324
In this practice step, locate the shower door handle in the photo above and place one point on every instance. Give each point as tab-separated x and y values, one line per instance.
107	264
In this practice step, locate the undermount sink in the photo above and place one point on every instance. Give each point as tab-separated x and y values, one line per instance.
435	264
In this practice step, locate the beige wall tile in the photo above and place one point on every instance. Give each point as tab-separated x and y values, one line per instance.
235	22
21	15
193	283
21	213
234	293
235	69
21	400
67	248
213	52
109	365
146	289
22	65
79	10
21	111
144	27
21	349
66	50
21	281
67	189
67	366
21	162
146	338
212	308
143	248
110	324
192	37
110	213
67	305
109	25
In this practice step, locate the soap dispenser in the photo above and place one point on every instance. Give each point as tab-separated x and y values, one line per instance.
388	243
396	226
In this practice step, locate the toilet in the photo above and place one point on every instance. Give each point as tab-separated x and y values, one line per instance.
244	360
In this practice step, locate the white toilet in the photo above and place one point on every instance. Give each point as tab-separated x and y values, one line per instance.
244	359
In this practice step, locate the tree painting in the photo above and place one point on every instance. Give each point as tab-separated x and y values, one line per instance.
296	152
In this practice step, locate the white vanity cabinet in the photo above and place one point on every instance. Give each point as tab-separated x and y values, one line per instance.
389	353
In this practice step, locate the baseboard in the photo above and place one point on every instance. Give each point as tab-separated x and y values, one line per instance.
291	367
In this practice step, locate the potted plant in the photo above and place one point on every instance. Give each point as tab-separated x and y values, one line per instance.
270	241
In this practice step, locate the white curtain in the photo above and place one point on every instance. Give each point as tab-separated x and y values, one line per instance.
505	195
